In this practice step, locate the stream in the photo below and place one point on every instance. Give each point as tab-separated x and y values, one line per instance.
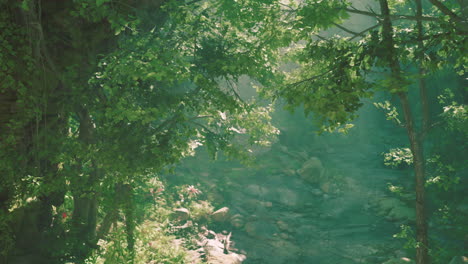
312	198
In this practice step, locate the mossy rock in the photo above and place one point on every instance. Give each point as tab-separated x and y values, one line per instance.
395	210
312	171
402	213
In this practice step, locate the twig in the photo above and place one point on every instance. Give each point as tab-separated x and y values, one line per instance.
446	11
365	30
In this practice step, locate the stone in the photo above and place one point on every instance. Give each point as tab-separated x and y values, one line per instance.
215	253
221	215
395	210
289	172
195	256
181	214
256	190
266	204
289	198
216	196
316	192
285	248
216	257
312	171
283	226
253	205
325	187
260	229
237	221
187	224
401	213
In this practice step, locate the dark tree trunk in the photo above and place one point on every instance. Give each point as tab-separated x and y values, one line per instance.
421	70
129	212
422	253
84	218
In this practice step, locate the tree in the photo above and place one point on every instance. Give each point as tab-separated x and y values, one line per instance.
99	95
96	95
335	73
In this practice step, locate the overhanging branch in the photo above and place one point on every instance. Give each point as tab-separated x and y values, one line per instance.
446	11
393	17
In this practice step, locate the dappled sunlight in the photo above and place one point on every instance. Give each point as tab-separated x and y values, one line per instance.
233	131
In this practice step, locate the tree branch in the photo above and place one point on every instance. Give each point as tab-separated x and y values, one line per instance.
365	30
202	126
393	17
442	8
421	69
309	79
347	30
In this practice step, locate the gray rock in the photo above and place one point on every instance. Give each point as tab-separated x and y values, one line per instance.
215	253
237	221
284	247
283	226
256	190
316	192
181	214
289	198
222	215
312	171
261	229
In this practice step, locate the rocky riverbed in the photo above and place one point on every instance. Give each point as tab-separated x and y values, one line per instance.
306	209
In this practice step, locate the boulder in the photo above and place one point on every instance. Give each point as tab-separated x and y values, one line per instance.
325	187
316	192
283	226
284	236
285	248
221	215
215	253
312	171
256	190
254	205
289	198
394	210
181	214
237	221
260	229
401	213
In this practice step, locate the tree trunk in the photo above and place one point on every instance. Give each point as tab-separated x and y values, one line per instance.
107	222
128	207
421	70
84	218
422	254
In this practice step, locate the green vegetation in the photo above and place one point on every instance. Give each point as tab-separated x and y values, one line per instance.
101	101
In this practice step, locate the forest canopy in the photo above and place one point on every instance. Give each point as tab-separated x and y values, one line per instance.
99	97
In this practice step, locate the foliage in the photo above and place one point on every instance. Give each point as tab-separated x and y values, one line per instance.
398	156
407	234
327	67
99	96
391	112
152	244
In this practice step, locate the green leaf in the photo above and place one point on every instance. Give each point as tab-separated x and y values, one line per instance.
101	2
